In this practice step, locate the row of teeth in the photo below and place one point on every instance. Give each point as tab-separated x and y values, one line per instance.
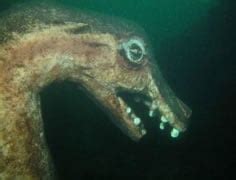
137	121
174	132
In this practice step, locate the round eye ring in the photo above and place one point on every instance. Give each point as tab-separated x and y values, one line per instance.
134	50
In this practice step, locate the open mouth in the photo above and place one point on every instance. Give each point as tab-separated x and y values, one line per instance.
133	109
136	106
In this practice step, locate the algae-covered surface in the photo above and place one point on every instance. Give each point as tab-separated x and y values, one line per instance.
193	45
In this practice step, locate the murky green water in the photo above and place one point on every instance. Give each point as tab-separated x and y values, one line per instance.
191	45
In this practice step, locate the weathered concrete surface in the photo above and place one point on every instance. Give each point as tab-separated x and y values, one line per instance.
39	45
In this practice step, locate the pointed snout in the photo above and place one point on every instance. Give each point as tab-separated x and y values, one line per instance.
169	106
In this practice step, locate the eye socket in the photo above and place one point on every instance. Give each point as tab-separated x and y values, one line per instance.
134	50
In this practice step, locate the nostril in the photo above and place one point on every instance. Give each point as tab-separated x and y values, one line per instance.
185	109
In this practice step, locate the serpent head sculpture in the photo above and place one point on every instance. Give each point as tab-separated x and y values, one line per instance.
40	44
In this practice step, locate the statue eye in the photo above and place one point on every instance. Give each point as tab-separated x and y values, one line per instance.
133	50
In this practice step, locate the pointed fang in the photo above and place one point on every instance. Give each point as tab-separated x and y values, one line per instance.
163	119
151	113
128	110
174	133
162	126
137	121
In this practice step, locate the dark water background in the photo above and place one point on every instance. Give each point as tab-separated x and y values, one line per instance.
193	43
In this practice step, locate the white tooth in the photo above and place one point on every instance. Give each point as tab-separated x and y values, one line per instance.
154	106
143	132
174	133
163	119
137	121
162	126
151	113
128	110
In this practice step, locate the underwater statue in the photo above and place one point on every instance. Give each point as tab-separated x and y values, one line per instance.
40	44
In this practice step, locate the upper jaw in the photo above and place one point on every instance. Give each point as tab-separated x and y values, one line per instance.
171	110
167	117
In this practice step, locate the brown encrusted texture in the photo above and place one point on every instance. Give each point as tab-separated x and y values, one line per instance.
39	45
23	152
27	65
32	61
28	17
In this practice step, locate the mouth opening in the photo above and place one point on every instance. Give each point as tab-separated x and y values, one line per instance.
140	110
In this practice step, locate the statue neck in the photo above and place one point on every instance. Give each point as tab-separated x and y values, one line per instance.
26	66
40	58
36	62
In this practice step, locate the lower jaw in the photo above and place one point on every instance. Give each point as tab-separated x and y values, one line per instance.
146	105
